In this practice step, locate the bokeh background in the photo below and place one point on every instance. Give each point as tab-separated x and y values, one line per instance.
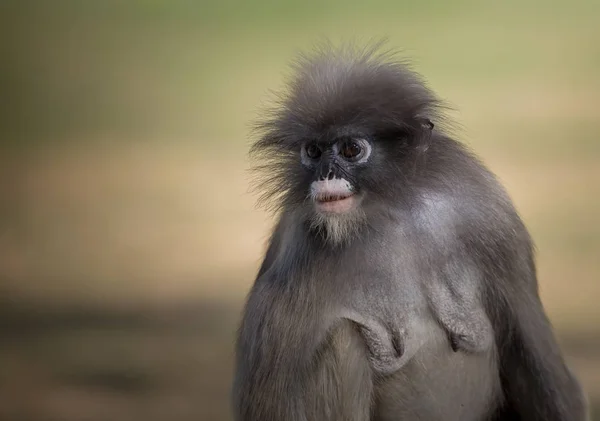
128	236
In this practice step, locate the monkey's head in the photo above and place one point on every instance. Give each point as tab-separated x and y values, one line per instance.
346	140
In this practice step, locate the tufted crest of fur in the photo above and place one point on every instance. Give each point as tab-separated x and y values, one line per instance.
332	88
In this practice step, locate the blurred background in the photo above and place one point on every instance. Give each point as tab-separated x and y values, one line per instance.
128	236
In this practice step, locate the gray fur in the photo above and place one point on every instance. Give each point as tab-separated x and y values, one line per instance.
425	305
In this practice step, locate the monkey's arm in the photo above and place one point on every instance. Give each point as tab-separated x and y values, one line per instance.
385	346
386	349
537	383
455	304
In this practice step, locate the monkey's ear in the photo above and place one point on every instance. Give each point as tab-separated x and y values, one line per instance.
415	134
427	123
426	129
424	122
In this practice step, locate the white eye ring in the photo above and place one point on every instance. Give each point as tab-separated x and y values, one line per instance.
364	144
366	150
304	156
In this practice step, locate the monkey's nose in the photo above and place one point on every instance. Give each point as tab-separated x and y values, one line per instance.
329	175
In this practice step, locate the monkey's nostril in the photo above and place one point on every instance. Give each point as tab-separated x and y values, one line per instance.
330	175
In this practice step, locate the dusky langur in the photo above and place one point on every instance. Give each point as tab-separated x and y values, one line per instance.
399	282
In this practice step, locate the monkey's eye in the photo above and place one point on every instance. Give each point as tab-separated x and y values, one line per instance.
351	150
313	151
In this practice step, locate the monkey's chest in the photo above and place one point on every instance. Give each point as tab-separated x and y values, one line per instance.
437	383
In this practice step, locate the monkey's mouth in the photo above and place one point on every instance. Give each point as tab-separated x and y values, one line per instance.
326	198
334	203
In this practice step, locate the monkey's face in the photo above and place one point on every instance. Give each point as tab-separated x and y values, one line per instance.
351	174
332	167
341	145
346	176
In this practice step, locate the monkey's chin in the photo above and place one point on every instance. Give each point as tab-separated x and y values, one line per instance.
337	206
338	221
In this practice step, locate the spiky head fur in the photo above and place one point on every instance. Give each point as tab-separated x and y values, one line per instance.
366	90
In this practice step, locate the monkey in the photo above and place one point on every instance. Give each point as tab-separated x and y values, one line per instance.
399	281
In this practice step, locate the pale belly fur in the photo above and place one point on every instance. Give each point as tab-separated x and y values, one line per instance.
438	383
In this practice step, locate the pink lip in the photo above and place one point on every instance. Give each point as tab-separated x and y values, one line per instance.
335	204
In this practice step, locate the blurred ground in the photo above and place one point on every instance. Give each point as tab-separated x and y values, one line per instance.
128	238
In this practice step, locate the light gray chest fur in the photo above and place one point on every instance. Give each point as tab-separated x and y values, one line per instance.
395	292
386	287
